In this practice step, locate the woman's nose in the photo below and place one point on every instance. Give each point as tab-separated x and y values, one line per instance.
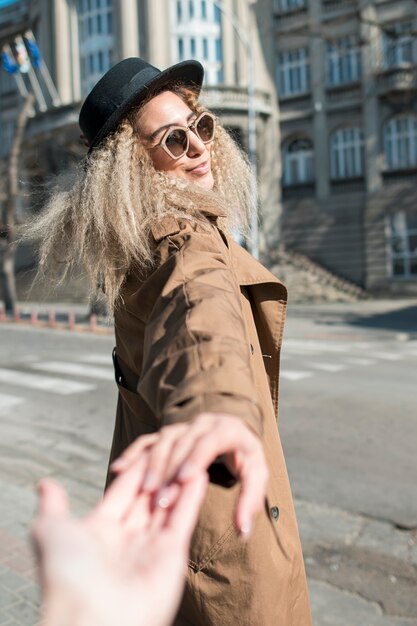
196	146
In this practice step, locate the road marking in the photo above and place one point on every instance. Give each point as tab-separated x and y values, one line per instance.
328	367
386	356
75	369
44	383
99	359
7	401
294	376
359	361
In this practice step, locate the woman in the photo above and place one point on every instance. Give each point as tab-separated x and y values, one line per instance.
198	327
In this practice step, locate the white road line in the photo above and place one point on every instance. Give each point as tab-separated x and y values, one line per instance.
44	383
328	367
99	359
294	376
7	401
359	361
75	369
386	356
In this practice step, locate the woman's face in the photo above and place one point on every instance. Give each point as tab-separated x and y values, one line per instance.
159	114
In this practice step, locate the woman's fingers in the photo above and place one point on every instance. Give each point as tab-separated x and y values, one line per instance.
122	492
183	515
132	452
53	499
254	480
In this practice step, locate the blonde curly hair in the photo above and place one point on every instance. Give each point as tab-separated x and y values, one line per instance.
99	215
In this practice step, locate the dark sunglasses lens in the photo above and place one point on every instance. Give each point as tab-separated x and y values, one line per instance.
176	142
205	128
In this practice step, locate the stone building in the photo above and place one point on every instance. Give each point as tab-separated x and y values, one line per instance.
347	82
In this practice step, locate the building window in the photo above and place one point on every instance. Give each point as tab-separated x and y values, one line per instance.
197	34
181	48
402	243
95	27
346	151
285	6
399	45
298	162
294	72
343	60
400	142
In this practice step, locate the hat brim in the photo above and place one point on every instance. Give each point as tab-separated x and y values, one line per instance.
188	73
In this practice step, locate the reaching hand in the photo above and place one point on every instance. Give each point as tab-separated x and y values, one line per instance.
124	563
179	451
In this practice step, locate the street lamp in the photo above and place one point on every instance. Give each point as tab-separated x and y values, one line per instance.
245	40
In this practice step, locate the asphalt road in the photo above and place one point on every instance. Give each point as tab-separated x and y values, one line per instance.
348	421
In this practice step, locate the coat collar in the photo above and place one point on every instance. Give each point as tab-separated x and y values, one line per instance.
249	271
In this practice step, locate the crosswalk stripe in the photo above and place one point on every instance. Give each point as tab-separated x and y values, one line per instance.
386	356
7	401
98	359
294	376
44	383
328	367
359	361
75	369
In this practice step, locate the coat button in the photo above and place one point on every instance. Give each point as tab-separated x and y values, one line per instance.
274	513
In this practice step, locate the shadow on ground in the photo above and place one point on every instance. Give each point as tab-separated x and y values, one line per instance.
400	320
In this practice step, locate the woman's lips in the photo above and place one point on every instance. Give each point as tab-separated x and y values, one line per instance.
201	169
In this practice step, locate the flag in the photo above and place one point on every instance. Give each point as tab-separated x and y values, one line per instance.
33	49
8	62
22	56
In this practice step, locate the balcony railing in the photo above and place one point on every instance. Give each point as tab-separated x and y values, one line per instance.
397	80
330	6
235	99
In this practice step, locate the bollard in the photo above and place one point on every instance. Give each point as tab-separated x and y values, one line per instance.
2	313
71	320
51	318
93	321
34	317
16	315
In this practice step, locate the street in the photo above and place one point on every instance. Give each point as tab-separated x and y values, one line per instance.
348	422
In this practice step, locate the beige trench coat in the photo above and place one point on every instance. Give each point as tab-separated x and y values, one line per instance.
200	332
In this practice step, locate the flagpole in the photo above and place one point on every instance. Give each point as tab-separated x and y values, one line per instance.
44	71
18	77
33	78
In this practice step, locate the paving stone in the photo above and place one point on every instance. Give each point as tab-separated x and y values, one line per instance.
7	597
32	594
385	539
323	524
12	581
24	612
333	607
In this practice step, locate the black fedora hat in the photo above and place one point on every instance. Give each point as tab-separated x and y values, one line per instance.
123	87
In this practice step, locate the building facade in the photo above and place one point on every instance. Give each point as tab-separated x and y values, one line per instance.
81	39
346	77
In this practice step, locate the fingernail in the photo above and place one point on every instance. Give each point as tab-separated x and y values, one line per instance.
118	464
150	482
163	499
187	471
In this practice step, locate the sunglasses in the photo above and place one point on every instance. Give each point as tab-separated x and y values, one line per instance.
176	141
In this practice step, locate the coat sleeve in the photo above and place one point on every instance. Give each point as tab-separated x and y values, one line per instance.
196	354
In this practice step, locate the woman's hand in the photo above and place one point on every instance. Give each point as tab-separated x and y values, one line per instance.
125	562
179	451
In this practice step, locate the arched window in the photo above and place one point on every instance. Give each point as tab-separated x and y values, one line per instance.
298	162
346	153
400	142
